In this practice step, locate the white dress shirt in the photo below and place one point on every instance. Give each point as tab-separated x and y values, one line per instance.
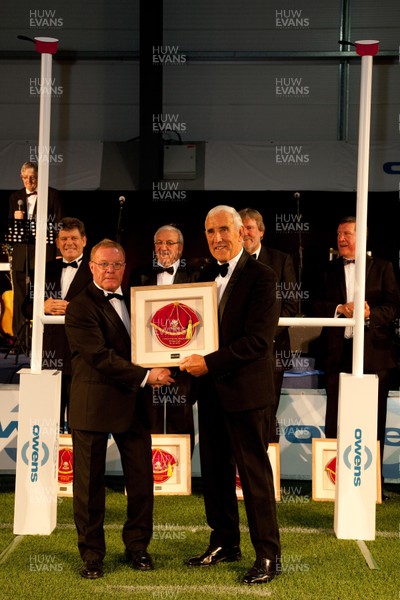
222	282
30	203
165	278
67	276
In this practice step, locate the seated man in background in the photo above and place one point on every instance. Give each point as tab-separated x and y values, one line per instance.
65	278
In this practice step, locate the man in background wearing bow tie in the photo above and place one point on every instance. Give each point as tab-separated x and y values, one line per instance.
235	398
172	410
65	278
282	264
22	207
106	398
334	297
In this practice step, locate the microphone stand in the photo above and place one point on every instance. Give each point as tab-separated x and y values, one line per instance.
121	201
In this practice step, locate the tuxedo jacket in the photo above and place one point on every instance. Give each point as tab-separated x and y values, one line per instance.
382	295
282	264
105	383
55	214
241	370
56	353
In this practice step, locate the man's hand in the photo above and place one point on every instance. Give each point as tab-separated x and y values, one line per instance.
159	376
53	306
194	364
348	310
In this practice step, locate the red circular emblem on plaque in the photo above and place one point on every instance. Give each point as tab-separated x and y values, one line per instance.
163	465
65	465
175	324
330	468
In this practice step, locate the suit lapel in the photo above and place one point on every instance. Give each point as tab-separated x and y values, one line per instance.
341	278
152	279
109	312
231	284
369	263
82	276
180	276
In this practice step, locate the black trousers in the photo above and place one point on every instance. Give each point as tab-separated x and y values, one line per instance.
273	426
227	440
89	450
170	406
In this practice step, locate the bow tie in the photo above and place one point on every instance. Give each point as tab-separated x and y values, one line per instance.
254	255
348	261
73	264
117	296
222	269
169	270
31	194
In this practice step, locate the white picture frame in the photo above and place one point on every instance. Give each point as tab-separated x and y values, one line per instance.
148	327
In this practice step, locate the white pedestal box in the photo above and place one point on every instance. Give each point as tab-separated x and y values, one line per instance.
355	500
35	510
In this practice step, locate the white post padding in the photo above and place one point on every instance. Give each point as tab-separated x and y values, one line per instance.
356	481
35	510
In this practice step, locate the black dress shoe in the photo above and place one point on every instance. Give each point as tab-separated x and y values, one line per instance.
263	571
140	560
92	569
213	556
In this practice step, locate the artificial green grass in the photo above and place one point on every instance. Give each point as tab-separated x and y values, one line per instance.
315	564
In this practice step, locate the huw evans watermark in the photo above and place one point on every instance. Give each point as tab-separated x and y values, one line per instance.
45	563
291	291
167	122
291	87
45	19
168	55
288	18
291	360
290	223
168	394
291	155
46	86
46	154
168	190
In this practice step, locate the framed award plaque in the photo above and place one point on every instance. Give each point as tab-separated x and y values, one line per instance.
171	322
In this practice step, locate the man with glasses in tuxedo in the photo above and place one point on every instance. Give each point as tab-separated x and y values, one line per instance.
171	410
106	398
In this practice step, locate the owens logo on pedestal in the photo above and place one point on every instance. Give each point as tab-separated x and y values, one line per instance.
33	457
355	464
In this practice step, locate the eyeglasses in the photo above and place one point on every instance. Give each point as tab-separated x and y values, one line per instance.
105	265
345	233
168	243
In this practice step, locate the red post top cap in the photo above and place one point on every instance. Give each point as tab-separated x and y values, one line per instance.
367	47
46	45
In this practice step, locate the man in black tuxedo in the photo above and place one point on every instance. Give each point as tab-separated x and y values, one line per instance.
65	278
282	264
334	297
22	207
171	408
235	396
105	398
